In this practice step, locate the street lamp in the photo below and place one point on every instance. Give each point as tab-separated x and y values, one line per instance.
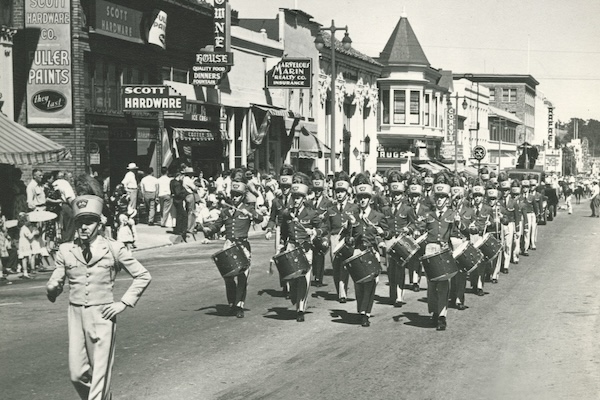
320	44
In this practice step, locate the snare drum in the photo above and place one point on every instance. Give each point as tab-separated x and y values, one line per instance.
439	266
232	261
489	246
422	242
467	256
404	248
342	251
291	264
363	267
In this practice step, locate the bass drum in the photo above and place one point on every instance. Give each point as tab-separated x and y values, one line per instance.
231	261
467	256
489	246
363	267
439	266
291	264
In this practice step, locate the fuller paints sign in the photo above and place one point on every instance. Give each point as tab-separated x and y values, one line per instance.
289	73
49	81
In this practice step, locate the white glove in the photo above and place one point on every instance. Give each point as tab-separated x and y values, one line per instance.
269	235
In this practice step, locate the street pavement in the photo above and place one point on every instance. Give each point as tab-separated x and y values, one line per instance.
532	336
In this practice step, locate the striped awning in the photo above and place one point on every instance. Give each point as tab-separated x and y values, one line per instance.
193	135
20	145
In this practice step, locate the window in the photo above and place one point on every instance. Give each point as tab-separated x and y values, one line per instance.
415	106
426	111
509	95
435	116
399	107
492	94
385	109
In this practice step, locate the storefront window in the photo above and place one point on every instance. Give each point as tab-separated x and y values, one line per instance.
415	106
399	107
99	88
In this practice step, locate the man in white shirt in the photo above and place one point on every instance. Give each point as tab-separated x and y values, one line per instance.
67	195
131	185
595	199
149	187
36	198
164	195
190	202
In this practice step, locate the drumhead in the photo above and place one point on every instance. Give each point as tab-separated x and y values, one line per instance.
341	244
434	254
421	238
460	249
362	253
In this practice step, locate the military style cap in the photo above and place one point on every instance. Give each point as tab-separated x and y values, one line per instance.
478	190
428	179
415	189
485	177
492	193
525	182
87	205
300	189
342	185
364	190
285	179
515	189
457	191
238	187
441	189
397	187
318	184
505	185
533	182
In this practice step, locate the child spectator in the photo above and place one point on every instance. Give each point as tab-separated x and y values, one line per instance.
126	233
39	251
27	234
4	246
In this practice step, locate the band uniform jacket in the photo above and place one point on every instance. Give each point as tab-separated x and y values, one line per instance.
440	229
529	203
335	221
467	216
487	214
295	223
421	211
398	218
510	209
365	234
321	206
427	198
91	283
279	204
236	223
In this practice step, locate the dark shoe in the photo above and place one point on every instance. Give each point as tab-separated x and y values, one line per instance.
461	306
232	310
300	317
441	324
494	280
480	292
365	321
526	254
533	248
434	316
342	300
416	287
398	304
25	277
240	312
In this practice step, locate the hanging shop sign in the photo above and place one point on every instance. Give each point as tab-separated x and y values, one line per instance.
289	73
551	127
211	67
451	133
151	98
118	21
49	81
222	23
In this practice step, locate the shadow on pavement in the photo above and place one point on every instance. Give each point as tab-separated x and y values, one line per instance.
415	319
220	310
272	293
345	317
325	295
282	313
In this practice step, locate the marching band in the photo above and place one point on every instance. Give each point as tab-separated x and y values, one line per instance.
456	230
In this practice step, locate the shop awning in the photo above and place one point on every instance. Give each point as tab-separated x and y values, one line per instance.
193	135
20	145
310	146
277	112
430	166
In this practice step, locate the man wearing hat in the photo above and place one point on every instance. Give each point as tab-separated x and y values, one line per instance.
131	185
539	201
321	204
301	224
440	223
521	223
339	220
421	211
497	228
237	220
400	218
428	195
90	264
509	208
368	235
530	210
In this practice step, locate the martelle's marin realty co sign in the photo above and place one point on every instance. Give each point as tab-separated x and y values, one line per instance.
151	98
289	73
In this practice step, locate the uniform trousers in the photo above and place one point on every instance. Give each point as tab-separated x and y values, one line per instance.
508	233
91	351
396	274
477	277
365	292
299	286
533	228
340	274
318	264
516	248
458	284
527	233
236	292
437	291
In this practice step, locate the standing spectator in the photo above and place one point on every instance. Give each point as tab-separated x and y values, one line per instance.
106	182
27	233
253	193
126	233
19	194
190	199
36	198
595	199
271	187
179	194
53	204
568	193
149	187
67	223
131	185
4	246
164	196
227	183
220	183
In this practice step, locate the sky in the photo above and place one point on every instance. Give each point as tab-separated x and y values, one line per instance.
555	41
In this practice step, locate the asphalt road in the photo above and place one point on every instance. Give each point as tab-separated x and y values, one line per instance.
534	335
